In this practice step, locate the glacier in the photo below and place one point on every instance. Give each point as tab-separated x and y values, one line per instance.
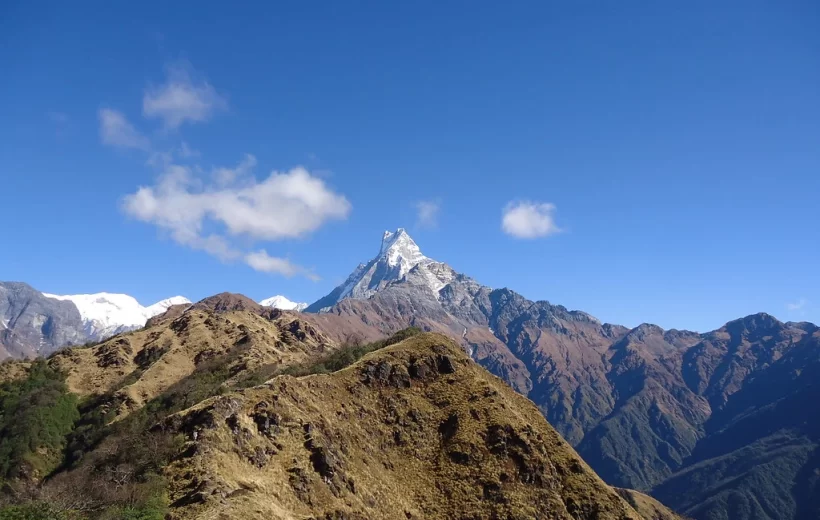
105	314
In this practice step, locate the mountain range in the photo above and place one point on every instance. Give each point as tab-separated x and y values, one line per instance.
34	323
228	409
716	425
656	410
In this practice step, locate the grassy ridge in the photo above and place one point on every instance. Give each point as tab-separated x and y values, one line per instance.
45	431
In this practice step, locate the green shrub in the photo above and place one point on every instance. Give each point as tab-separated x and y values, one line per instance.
347	355
36	414
33	511
155	508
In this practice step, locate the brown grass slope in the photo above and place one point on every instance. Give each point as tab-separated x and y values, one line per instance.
416	430
141	365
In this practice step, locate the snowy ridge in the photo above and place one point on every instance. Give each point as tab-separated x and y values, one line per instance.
106	314
281	302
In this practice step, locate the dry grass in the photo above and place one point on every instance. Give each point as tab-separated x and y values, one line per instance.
141	365
416	430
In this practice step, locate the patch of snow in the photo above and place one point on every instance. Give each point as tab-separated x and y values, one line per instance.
400	250
163	305
398	255
281	302
106	314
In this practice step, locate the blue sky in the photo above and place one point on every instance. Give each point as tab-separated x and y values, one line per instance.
657	162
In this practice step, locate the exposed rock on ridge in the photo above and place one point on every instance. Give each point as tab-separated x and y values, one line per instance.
412	431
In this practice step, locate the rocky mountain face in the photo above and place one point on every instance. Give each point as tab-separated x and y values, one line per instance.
397	256
759	456
197	416
32	325
107	314
413	431
640	405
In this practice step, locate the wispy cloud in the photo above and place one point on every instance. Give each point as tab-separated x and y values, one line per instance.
186	152
529	219
182	98
798	305
224	176
427	213
261	261
284	205
115	130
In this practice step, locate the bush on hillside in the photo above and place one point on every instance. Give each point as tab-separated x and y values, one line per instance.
348	354
36	414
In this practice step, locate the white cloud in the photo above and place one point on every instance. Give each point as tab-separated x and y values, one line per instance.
798	305
261	261
529	219
284	205
181	98
427	213
115	130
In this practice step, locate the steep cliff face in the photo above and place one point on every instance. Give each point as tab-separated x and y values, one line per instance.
32	325
36	324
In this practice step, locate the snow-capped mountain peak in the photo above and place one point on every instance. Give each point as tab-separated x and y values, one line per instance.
399	249
163	305
106	314
398	256
281	302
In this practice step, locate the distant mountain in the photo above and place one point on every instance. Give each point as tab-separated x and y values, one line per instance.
280	302
643	406
32	325
232	410
759	456
397	256
106	314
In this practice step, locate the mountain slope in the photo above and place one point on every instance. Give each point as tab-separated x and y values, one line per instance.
412	431
761	455
638	404
171	424
398	255
227	327
107	314
32	325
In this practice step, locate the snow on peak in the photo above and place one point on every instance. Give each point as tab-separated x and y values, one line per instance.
106	314
281	302
398	256
399	249
163	305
